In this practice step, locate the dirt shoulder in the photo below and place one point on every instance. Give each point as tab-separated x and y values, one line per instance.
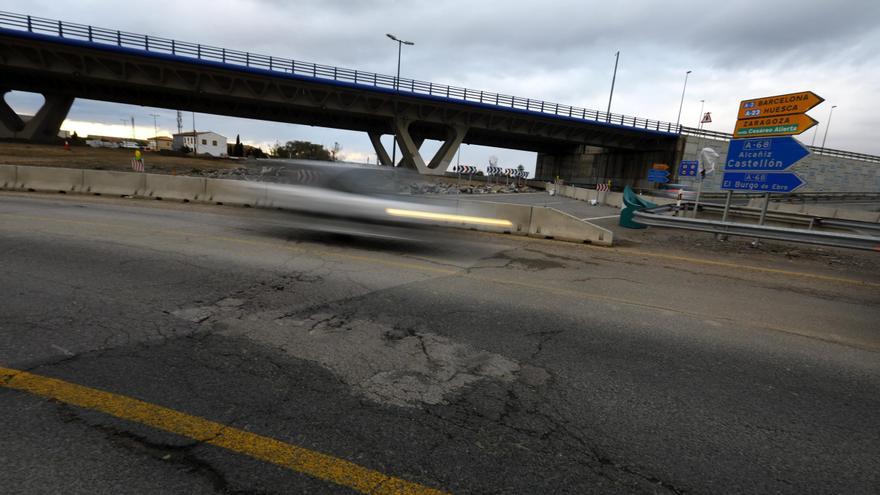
41	155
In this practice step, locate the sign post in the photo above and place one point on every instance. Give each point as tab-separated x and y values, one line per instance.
762	147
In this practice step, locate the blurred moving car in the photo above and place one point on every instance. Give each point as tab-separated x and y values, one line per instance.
367	194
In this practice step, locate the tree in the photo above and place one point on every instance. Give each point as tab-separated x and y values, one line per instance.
238	149
254	151
303	150
75	140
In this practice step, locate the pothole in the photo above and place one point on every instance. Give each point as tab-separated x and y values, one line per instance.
395	365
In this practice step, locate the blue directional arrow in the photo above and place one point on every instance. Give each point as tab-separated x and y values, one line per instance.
761	181
773	154
661	176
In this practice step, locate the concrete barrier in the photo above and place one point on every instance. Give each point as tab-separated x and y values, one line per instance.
821	211
518	215
584	194
174	187
858	215
49	179
552	223
614	199
114	183
236	192
8	177
788	207
536	221
842	213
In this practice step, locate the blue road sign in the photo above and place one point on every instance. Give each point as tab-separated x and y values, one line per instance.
661	176
773	154
761	181
688	168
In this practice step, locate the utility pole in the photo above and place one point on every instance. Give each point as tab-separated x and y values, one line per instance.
155	132
132	128
613	79
195	137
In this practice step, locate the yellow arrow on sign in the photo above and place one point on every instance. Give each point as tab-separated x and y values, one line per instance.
782	125
770	106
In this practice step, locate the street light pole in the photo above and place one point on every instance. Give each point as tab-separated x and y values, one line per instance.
681	104
613	79
700	120
828	125
400	44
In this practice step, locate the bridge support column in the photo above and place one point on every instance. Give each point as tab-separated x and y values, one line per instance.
408	162
381	152
413	158
42	127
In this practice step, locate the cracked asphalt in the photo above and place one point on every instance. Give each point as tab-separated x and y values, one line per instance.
460	361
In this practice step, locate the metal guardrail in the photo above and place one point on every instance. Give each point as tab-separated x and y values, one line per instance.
152	44
659	217
813	221
723	136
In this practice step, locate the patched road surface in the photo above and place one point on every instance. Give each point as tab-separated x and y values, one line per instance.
156	347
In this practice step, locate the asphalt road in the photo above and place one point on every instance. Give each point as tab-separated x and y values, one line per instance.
267	357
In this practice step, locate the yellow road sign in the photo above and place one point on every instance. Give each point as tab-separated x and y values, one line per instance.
782	125
770	106
660	166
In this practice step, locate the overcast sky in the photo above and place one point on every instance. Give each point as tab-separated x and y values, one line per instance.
560	51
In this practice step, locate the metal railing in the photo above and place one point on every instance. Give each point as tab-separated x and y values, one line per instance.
723	136
662	216
152	44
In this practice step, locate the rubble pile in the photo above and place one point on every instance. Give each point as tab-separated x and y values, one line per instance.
449	188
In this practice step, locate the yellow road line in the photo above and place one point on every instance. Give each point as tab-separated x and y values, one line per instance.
293	457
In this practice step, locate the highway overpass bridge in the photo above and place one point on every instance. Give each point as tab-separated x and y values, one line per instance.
64	61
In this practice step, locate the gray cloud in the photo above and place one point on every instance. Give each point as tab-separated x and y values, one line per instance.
559	50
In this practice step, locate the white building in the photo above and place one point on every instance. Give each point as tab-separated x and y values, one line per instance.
203	142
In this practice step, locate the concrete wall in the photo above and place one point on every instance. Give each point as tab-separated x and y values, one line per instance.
534	221
821	173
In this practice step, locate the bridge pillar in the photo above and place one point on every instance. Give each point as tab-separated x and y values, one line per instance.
381	152
9	120
583	164
42	127
412	158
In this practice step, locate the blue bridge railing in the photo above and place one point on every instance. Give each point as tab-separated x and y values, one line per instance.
102	36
